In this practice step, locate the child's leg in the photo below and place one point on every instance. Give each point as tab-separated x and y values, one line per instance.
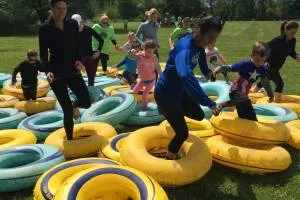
26	93
91	69
138	87
104	58
129	77
245	110
33	91
147	90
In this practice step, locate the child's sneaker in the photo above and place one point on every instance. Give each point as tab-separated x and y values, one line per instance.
76	113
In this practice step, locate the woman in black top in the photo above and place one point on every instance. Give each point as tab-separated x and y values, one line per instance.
87	56
59	35
280	48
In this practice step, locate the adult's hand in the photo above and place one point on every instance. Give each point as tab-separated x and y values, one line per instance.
50	77
96	55
79	65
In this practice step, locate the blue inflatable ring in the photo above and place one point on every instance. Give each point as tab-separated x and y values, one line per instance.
10	118
276	112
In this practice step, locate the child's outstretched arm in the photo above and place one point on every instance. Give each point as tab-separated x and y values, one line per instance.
121	63
157	66
14	74
266	84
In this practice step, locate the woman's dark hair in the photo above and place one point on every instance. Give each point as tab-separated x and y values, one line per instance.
53	2
210	23
288	25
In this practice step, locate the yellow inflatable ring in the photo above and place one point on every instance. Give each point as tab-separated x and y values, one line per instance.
294	131
111	182
16	137
110	71
112	90
36	106
264	131
87	141
7	101
248	156
255	96
42	89
202	129
48	184
288	101
191	167
111	148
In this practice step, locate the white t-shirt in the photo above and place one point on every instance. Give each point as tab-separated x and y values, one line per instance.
213	58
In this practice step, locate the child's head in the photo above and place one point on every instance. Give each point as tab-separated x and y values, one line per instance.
131	37
32	55
259	53
149	47
186	22
104	20
289	28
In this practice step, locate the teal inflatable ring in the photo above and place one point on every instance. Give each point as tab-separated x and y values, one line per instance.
4	77
113	109
10	118
20	167
275	112
144	117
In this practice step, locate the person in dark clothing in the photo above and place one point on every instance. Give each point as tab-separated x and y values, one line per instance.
59	35
249	71
88	57
280	48
177	92
29	70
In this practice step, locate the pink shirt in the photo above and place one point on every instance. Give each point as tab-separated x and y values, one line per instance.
146	66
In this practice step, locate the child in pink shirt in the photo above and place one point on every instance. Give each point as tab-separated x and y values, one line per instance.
147	64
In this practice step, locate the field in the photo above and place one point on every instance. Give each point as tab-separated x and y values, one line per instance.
221	182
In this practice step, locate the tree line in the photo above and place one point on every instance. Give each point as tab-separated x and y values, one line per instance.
24	16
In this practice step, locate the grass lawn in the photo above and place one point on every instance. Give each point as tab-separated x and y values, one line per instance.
221	182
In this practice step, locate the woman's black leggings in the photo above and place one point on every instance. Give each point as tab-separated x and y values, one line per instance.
104	58
78	87
174	114
275	76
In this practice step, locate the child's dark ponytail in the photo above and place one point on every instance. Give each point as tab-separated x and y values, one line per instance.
287	25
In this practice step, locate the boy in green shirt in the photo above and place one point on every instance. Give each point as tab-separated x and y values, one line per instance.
180	32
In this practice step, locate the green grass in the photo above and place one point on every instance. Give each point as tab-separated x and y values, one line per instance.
220	182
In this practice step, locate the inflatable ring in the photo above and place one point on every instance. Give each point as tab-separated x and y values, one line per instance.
36	106
113	110
87	141
248	156
288	101
264	131
7	101
126	89
202	129
103	83
10	118
218	88
42	89
100	183
15	137
111	148
48	184
191	167
144	117
4	77
278	113
42	124
255	96
20	167
294	131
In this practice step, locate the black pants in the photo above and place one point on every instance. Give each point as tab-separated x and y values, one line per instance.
103	58
174	114
243	105
78	87
275	76
131	78
29	92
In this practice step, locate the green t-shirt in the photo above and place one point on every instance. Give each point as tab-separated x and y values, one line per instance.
179	32
107	33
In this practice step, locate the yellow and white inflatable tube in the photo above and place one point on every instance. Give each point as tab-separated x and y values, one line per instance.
16	137
248	156
42	89
88	138
111	71
191	167
294	131
255	96
288	101
7	101
111	182
264	131
36	106
111	148
48	184
126	89
202	129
